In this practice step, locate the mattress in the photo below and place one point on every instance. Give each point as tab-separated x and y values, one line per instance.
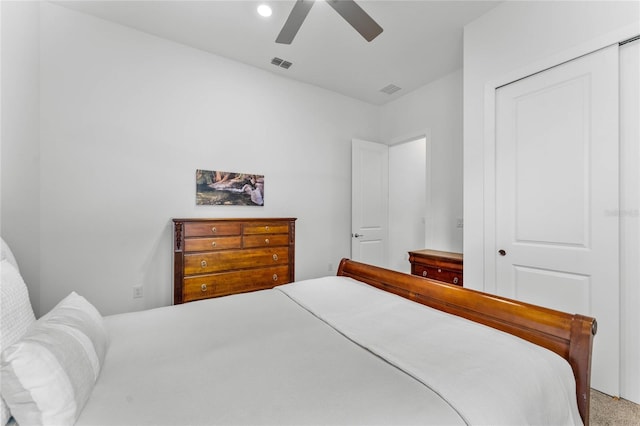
323	351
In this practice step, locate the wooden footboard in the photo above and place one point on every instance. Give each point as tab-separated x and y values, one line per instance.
570	336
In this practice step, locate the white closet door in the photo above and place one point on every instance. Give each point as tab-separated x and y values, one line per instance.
557	197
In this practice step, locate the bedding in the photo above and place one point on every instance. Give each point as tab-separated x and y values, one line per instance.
332	350
489	377
16	313
253	358
7	254
323	351
48	375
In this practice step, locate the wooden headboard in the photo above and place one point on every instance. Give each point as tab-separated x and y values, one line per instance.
570	336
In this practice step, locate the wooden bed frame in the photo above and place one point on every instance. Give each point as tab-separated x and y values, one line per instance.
570	336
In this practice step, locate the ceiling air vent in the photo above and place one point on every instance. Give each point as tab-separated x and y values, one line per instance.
281	63
390	89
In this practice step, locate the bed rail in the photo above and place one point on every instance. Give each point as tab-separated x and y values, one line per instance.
568	335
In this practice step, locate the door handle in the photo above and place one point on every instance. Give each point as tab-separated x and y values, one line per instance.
357	235
502	252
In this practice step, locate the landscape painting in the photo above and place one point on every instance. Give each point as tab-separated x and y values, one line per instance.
216	188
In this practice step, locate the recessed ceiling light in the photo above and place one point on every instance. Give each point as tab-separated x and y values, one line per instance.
264	10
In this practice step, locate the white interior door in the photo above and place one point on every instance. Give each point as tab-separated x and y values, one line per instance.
369	202
557	197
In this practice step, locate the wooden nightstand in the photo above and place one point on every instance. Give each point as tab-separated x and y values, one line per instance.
437	265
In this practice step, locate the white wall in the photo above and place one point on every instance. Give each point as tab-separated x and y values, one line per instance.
127	118
435	108
499	46
118	121
20	165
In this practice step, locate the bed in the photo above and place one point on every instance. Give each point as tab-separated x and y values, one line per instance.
367	346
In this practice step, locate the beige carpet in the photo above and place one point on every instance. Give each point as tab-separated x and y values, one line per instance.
608	411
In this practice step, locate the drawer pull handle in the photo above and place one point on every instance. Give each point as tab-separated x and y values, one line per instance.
203	287
213	243
213	229
266	228
275	277
455	280
424	273
203	264
266	241
275	257
439	270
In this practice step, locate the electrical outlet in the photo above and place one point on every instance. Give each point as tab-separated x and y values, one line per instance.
137	292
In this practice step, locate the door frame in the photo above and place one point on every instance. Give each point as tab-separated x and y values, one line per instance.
428	213
630	247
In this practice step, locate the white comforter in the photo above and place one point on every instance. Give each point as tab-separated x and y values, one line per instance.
266	358
489	377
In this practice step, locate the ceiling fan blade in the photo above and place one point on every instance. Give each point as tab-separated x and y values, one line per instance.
294	21
358	18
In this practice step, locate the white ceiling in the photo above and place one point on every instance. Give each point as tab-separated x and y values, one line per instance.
421	41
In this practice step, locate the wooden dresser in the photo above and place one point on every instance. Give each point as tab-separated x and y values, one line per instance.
437	265
218	257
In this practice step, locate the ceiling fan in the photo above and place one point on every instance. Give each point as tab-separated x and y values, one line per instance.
348	9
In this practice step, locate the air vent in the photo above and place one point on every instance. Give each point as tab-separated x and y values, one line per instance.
390	89
281	63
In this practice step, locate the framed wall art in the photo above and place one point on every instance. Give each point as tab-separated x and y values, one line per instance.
216	188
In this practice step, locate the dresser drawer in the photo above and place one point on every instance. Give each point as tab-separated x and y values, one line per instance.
438	274
208	229
266	228
266	240
204	263
222	284
208	244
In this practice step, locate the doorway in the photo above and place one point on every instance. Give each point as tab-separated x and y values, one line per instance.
390	201
408	206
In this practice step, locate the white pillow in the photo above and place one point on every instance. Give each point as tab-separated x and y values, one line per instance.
16	315
48	375
6	253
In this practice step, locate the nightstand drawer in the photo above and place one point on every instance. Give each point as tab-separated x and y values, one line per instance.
438	274
437	265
